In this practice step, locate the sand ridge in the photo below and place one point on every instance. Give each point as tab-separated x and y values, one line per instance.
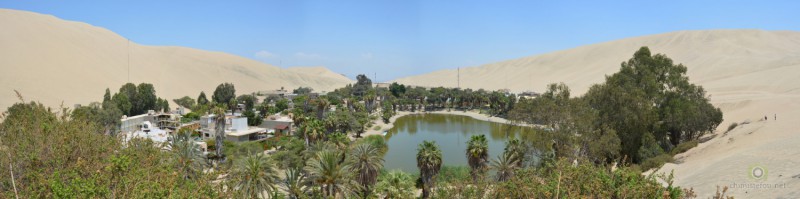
53	61
749	74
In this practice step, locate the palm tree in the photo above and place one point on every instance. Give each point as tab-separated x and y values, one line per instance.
477	155
219	134
366	161
429	161
517	149
294	184
187	155
322	105
505	165
313	130
396	184
254	177
326	171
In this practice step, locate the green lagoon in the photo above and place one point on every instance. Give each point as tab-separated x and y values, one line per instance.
451	132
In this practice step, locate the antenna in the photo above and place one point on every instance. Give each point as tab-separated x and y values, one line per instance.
458	81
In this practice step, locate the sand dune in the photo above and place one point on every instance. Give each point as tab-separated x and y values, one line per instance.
749	74
52	60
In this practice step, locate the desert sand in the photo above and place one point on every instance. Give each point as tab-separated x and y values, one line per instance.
51	60
749	74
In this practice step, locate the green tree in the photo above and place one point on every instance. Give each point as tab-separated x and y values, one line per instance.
505	165
295	183
363	84
322	105
224	93
185	102
254	177
327	171
248	100
397	89
429	162
282	104
107	96
652	95
188	158
201	99
396	184
365	160
477	156
145	99
518	151
302	90
219	131
123	103
253	119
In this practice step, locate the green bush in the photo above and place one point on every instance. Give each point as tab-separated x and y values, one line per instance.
732	126
584	181
656	162
683	147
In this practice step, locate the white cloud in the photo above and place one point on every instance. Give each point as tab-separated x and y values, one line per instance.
263	54
307	56
366	55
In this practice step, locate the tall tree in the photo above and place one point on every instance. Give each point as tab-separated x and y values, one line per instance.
201	99
254	177
363	84
123	103
295	183
322	105
652	95
145	99
429	162
365	160
107	96
219	133
224	93
477	156
330	174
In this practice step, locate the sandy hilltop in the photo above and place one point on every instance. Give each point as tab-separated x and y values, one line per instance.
749	74
53	61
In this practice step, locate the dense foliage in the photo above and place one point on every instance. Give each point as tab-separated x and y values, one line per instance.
641	112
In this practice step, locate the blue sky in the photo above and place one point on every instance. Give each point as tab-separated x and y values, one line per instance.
401	38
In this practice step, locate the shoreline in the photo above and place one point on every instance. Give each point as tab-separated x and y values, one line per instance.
390	125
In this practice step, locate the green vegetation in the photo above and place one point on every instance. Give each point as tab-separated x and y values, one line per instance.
643	111
302	90
185	101
732	126
641	117
477	156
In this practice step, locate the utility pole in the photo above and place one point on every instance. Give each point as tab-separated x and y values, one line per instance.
458	84
129	60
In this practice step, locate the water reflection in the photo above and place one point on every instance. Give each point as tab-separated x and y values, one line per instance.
451	132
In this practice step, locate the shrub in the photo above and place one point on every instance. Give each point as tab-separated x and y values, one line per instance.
656	162
584	181
683	147
732	126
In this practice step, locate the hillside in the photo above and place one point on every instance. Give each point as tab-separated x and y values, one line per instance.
53	61
749	74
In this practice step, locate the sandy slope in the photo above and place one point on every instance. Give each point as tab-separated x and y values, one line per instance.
52	60
748	73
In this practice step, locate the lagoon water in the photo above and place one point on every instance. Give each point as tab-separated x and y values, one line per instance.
451	133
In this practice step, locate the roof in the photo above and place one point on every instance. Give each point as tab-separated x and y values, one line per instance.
281	126
249	131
